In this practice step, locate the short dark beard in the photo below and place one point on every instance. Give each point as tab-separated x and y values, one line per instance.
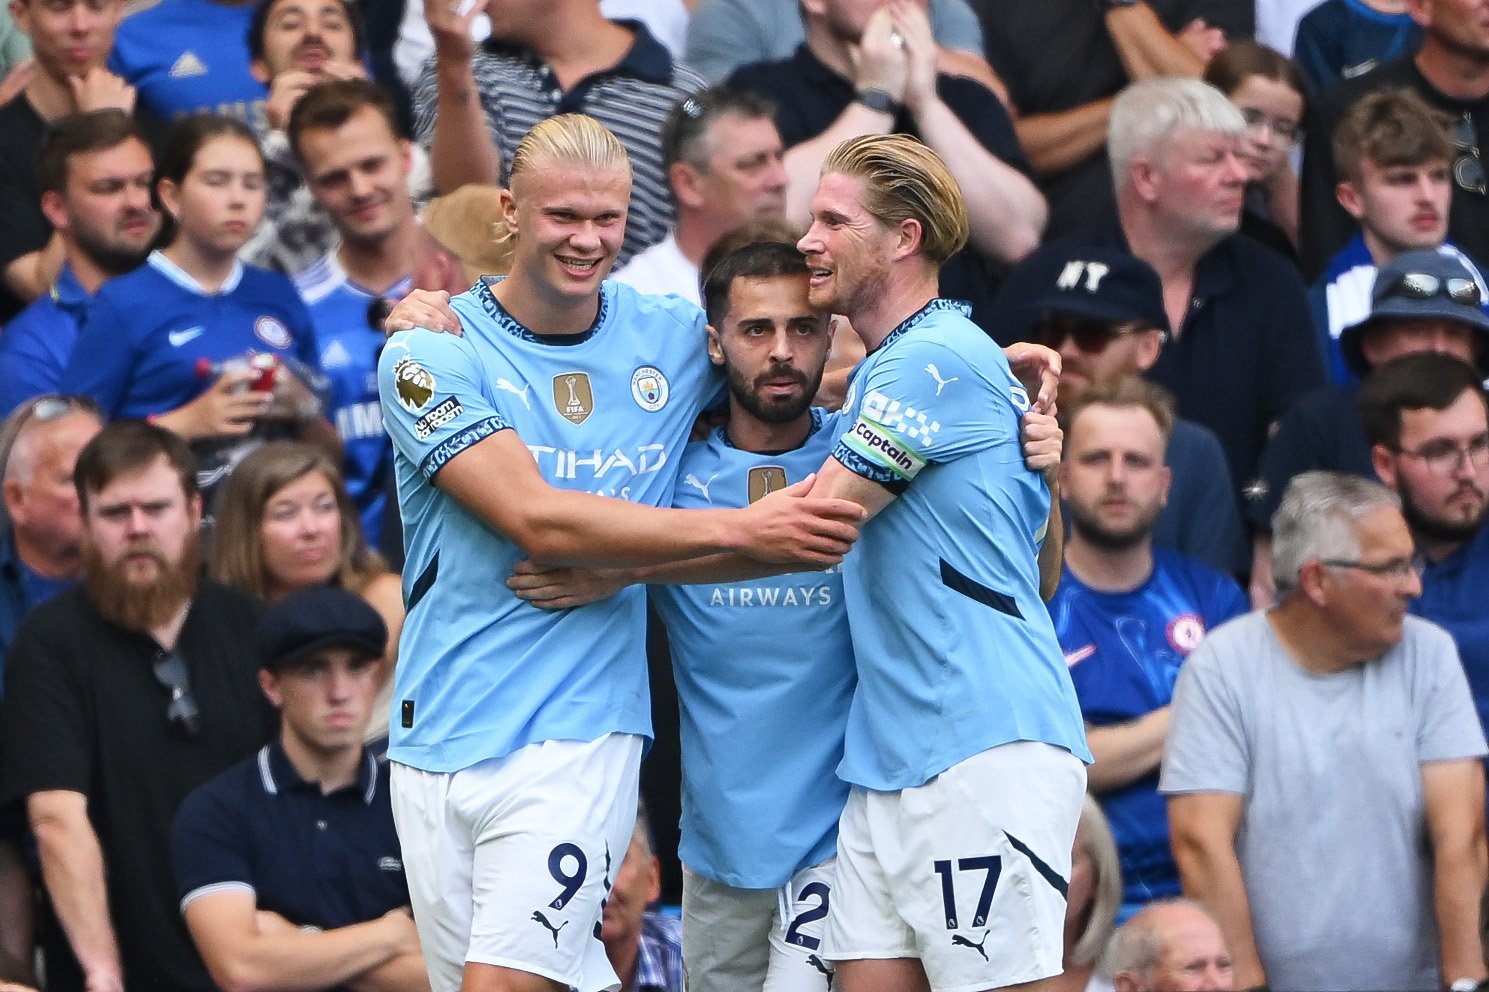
143	607
782	412
113	258
1437	531
1093	533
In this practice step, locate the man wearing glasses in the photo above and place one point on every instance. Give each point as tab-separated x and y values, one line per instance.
123	695
1422	301
1332	739
1428	430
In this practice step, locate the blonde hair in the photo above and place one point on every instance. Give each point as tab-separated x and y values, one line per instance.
905	180
237	557
569	139
469	225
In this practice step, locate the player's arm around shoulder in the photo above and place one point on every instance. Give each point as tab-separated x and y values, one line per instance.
248	950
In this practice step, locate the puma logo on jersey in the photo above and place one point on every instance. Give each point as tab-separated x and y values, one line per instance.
957	940
538	917
940	382
506	386
702	487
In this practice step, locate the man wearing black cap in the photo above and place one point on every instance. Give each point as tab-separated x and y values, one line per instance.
1422	301
288	865
1101	308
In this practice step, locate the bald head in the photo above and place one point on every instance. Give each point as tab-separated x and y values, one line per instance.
1170	946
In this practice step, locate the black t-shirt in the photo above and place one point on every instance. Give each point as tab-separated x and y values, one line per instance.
1056	55
84	713
809	96
1323	430
1324	224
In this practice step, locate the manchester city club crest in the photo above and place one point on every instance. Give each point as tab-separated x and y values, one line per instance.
766	479
573	397
649	388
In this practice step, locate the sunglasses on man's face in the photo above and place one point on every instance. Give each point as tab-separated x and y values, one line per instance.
1090	336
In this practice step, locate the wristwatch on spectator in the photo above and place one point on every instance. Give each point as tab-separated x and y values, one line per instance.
877	99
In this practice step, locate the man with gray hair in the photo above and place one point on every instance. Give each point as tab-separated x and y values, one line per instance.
723	159
1170	945
1241	347
1333	738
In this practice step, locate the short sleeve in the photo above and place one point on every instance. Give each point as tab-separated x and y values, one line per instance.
209	848
923	404
46	731
1206	750
434	398
1448	726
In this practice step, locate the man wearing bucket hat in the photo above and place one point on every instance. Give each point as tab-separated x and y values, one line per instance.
1423	301
288	865
1101	308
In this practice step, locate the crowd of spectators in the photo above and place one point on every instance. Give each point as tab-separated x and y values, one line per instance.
1252	229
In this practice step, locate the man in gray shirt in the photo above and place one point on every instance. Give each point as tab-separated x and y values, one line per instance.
1324	788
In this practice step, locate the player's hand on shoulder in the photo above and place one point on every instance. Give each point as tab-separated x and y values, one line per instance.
558	587
429	309
792	527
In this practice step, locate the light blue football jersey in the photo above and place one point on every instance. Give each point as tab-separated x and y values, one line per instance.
955	651
608	411
765	674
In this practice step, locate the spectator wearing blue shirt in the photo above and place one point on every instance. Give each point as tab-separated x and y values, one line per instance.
288	864
1425	419
1127	615
175	339
95	171
643	944
345	136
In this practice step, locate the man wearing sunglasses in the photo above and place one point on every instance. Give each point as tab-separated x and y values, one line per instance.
1426	422
123	695
1422	301
1101	308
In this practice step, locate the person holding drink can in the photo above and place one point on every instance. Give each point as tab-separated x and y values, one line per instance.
218	352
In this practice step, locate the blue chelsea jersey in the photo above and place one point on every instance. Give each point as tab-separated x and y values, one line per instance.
184	56
955	651
150	340
608	411
1124	651
347	347
765	674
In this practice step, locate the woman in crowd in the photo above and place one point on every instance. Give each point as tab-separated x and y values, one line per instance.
1095	895
1268	90
285	523
193	339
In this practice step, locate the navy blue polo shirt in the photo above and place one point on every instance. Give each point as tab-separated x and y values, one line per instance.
317	860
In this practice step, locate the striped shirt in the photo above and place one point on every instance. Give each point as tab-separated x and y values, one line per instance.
632	99
659	962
